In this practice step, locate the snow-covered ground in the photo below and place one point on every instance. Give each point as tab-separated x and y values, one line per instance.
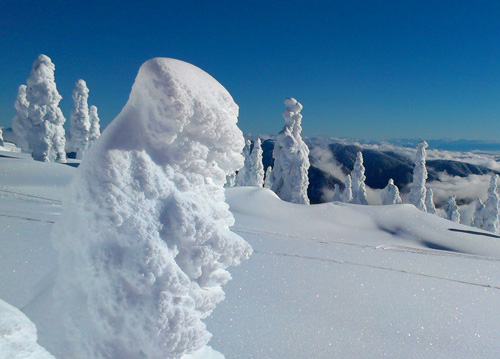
324	281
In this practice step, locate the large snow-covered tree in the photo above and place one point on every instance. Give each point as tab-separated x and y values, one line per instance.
21	124
80	119
390	194
491	210
451	210
291	157
358	181
46	136
347	193
418	190
144	239
95	126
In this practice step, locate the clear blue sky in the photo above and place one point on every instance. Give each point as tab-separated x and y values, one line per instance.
362	69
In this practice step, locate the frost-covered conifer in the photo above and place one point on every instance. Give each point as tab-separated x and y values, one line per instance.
337	195
429	201
144	239
291	157
358	181
80	119
268	183
21	124
1	136
347	194
491	210
252	173
390	194
242	176
418	190
451	210
46	136
95	127
478	217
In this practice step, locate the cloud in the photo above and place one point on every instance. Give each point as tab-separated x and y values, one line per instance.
466	189
326	162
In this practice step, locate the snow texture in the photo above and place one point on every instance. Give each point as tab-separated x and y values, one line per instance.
358	181
80	119
418	190
144	238
21	124
230	180
429	201
46	136
390	194
451	210
347	193
95	127
291	157
337	195
268	182
18	337
491	210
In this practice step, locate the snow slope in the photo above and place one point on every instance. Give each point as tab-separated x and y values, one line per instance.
325	281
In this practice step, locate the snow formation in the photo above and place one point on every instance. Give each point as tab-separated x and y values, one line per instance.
46	135
347	193
451	210
491	210
252	173
390	194
291	157
21	124
144	238
358	181
241	177
268	182
80	119
429	201
418	190
478	217
95	127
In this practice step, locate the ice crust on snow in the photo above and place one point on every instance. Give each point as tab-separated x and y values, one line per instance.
144	238
291	157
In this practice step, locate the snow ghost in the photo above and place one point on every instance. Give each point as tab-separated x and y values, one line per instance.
358	181
451	210
418	190
390	194
347	193
252	173
144	239
46	136
291	157
95	127
80	119
21	124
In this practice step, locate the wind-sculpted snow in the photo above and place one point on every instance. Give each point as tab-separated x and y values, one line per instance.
144	240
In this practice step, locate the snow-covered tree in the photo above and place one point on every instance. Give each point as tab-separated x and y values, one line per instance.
80	119
230	180
478	217
242	176
358	181
291	157
144	239
21	124
1	136
337	195
491	210
252	173
418	190
268	182
429	201
451	210
46	136
347	194
95	127
390	194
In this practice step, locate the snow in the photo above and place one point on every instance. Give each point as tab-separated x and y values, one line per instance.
358	181
418	189
80	119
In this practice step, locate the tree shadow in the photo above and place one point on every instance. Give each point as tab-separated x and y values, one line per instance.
474	232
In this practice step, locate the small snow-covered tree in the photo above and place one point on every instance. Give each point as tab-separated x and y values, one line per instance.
358	181
144	239
80	119
390	194
21	124
242	176
268	182
451	210
255	171
491	210
347	194
46	136
429	201
291	157
418	190
95	127
337	195
478	217
1	136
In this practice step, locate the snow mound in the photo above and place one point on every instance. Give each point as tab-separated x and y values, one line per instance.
144	238
18	335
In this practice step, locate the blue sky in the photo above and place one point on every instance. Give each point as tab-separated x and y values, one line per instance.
362	69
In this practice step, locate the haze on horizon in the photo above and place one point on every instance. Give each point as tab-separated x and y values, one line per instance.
395	69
